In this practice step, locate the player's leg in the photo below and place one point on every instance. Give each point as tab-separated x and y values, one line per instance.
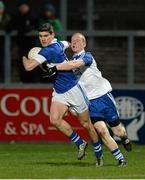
120	131
100	111
112	118
86	123
79	104
57	112
103	132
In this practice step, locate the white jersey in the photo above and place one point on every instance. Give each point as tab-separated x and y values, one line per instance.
91	77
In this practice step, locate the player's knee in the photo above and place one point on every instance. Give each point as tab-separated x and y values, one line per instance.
54	120
85	124
103	132
119	131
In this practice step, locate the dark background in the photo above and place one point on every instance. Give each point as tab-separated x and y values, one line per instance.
109	14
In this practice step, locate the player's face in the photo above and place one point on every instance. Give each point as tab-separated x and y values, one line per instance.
45	38
77	43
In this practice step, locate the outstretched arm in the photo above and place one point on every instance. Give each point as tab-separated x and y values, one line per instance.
69	65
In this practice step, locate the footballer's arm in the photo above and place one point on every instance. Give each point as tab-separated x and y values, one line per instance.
69	65
29	64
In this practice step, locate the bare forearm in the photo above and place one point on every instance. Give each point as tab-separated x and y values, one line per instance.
29	64
70	65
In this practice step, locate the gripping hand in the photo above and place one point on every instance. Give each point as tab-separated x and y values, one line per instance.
50	71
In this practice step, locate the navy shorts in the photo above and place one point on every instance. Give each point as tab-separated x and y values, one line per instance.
104	108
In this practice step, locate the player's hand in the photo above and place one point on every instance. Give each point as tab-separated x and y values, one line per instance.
50	72
24	58
44	67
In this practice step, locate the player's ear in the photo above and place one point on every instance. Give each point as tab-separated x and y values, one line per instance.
85	44
53	34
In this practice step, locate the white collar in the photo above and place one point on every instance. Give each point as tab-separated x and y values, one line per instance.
79	53
53	41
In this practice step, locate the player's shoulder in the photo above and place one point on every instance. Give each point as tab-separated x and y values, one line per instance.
88	55
88	58
46	49
64	44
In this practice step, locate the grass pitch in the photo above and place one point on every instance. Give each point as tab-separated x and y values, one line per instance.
58	161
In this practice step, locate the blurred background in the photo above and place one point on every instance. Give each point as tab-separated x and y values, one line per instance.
115	31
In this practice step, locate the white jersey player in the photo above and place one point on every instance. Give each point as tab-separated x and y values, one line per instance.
102	104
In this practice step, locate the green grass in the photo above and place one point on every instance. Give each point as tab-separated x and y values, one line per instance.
58	160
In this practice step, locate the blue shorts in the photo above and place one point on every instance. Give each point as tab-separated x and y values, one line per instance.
104	108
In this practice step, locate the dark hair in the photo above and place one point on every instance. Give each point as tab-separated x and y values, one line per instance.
46	27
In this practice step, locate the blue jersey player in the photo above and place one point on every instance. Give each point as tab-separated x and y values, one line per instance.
68	92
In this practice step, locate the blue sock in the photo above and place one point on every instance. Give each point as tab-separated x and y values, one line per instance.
117	154
97	149
76	138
